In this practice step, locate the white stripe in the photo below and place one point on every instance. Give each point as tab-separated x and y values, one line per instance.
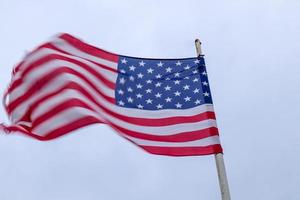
52	86
110	76
60	120
77	113
65	46
149	114
46	51
120	110
196	143
49	67
24	123
161	130
22	108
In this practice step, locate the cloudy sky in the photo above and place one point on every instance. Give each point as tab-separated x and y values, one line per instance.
252	56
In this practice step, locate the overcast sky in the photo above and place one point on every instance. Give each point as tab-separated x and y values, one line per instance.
252	57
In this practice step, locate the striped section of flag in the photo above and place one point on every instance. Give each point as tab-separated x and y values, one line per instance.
66	84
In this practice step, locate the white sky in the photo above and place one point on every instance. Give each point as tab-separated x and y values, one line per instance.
253	64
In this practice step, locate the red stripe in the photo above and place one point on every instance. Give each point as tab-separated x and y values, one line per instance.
171	151
12	105
17	67
184	151
166	121
51	46
88	120
60	131
89	49
45	45
51	57
14	85
20	129
69	103
46	79
181	137
17	82
132	120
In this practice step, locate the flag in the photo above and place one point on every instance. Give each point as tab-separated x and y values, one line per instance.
162	105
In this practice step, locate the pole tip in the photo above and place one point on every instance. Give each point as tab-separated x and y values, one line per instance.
197	41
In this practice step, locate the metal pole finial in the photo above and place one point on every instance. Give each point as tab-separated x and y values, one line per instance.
198	47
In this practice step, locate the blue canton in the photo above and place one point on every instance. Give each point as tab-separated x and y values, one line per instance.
153	84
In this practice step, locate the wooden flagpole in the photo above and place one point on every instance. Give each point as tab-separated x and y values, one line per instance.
223	182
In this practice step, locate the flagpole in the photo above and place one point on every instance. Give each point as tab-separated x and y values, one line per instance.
223	182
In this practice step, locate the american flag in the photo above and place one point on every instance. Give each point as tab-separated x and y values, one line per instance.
162	105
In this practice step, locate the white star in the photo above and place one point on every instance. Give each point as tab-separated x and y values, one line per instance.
196	91
187	67
206	94
177	82
197	102
195	71
121	92
177	93
186	77
205	83
159	106
132	68
158	84
187	99
186	87
150	70
140	75
158	95
204	73
149	101
195	80
178	63
129	89
130	100
169	69
167	88
160	64
122	71
148	91
122	81
158	76
140	106
168	79
121	103
142	63
131	78
177	74
178	105
139	95
168	99
149	81
197	61
124	61
139	86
